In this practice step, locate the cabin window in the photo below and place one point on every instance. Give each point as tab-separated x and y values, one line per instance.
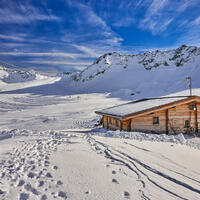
187	124
155	120
117	123
110	120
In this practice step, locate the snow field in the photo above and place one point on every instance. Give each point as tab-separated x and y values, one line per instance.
26	170
80	164
49	148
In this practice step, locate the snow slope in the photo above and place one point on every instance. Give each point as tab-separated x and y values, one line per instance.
153	73
11	79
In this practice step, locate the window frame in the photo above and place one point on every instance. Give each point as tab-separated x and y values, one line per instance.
155	121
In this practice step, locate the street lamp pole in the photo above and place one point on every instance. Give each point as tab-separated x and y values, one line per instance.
190	83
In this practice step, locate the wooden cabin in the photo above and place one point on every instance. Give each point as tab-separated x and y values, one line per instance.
170	115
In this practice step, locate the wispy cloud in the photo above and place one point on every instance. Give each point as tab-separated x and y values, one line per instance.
124	22
162	13
23	14
11	37
153	20
55	62
191	34
90	18
196	21
88	51
43	54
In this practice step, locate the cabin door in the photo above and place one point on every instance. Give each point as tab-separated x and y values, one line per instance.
191	124
126	125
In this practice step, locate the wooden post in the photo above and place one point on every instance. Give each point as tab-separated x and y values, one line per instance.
167	121
129	125
107	122
120	125
103	121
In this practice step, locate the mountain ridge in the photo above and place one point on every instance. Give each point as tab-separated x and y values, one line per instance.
152	73
147	59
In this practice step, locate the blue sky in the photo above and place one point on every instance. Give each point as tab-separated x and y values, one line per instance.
68	35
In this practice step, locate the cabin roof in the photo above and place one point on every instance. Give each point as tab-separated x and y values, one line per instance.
142	105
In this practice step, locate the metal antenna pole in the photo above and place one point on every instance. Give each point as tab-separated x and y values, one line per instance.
190	86
190	83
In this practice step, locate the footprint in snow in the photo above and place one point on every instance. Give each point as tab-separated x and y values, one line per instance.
41	183
23	196
1	192
29	188
62	194
115	181
21	183
59	182
48	175
55	167
31	175
126	194
46	163
114	172
44	197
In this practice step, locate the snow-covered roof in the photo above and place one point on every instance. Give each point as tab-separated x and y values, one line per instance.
139	105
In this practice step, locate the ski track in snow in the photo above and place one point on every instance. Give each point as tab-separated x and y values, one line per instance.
139	168
26	170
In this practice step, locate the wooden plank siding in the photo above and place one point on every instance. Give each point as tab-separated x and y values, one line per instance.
177	117
171	120
145	122
111	123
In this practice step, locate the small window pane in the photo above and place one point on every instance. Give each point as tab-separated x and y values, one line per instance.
155	120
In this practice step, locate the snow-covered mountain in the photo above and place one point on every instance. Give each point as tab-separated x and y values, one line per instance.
9	75
12	78
151	73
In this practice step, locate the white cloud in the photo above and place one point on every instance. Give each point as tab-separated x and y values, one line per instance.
185	4
165	24
153	20
196	21
157	6
50	54
161	13
11	37
115	41
191	35
89	17
23	14
87	50
55	62
124	22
